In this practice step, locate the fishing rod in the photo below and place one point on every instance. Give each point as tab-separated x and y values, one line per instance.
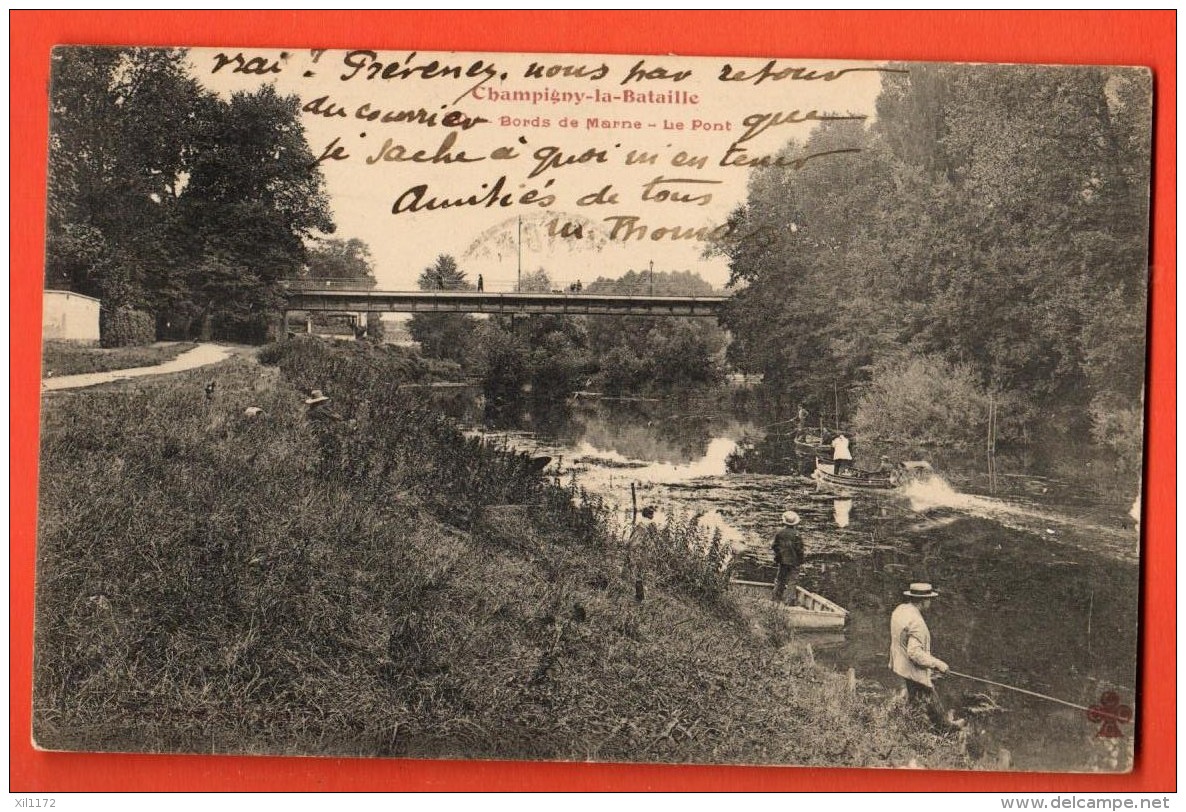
1099	711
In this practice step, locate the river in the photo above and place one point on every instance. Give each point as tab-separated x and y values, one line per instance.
1037	569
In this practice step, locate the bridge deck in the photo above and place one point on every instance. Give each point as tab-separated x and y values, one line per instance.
468	301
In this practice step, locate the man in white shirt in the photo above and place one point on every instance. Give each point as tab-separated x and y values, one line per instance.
910	653
841	455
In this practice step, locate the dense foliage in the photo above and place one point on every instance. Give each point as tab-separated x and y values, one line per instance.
170	199
994	218
125	327
552	356
655	354
338	263
334	262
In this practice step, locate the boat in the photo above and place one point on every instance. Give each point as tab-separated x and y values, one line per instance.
825	472
807	610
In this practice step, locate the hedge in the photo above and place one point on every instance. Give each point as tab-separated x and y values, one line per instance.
126	327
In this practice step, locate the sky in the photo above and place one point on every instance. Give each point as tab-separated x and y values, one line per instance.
663	130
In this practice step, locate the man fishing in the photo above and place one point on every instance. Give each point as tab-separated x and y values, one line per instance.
910	654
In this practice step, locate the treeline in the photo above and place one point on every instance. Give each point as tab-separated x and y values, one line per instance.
169	200
986	243
552	356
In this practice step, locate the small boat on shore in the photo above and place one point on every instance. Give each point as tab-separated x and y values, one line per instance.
807	610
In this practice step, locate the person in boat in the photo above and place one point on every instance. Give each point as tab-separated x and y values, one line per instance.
841	454
910	654
802	415
788	554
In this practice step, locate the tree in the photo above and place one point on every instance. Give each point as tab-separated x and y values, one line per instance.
341	261
253	200
443	274
444	335
994	218
501	361
537	281
121	125
163	196
644	353
334	262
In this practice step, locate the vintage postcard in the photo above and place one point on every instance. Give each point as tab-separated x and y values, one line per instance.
592	408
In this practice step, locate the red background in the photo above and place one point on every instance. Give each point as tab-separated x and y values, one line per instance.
1126	38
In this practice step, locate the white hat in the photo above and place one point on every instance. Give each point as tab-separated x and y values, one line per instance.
790	518
315	396
920	589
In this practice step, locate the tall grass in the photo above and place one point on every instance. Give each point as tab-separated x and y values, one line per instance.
382	585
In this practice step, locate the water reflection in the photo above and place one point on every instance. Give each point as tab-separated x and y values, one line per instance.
1041	594
841	508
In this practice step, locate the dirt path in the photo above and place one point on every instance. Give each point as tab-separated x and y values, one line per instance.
199	356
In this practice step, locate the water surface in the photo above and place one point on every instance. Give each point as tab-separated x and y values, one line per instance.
1039	579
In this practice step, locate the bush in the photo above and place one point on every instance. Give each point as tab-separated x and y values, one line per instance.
686	558
503	363
126	327
1120	428
924	400
621	371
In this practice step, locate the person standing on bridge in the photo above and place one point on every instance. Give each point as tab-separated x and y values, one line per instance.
481	284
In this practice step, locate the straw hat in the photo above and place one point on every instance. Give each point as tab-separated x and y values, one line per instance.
790	518
315	396
921	589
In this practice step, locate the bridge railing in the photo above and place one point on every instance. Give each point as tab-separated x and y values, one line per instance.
472	301
493	285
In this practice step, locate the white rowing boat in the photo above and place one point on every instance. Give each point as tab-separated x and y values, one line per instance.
806	611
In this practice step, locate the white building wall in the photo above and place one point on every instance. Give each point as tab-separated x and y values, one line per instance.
70	316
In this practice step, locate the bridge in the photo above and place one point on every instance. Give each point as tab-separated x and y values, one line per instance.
470	301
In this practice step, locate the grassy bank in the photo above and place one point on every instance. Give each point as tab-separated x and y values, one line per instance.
379	584
68	358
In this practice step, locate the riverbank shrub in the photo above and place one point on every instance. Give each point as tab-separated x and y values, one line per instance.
213	580
923	400
685	558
